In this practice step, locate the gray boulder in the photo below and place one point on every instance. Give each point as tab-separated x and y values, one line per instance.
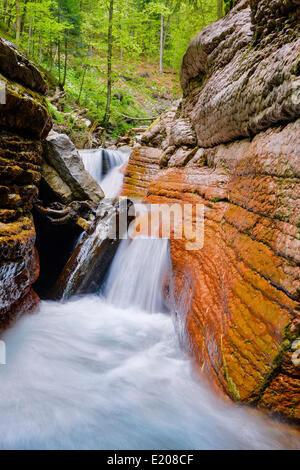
60	154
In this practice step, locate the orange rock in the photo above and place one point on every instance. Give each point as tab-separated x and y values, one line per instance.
235	297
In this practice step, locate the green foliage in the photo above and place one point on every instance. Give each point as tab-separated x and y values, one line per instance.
69	39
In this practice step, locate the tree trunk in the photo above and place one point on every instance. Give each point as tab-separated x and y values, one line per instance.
161	55
106	117
66	62
18	21
220	9
81	85
59	64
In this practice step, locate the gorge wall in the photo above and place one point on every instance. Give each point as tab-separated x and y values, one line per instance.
24	122
47	199
233	145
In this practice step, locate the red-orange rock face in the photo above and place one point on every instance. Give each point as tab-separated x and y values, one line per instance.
141	169
237	299
237	296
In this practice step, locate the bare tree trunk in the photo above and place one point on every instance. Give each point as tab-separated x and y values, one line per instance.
18	21
29	37
107	113
161	55
220	9
59	64
66	62
81	85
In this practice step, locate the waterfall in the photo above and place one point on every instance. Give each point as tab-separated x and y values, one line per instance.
137	274
107	372
105	165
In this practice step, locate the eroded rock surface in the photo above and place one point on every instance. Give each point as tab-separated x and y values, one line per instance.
235	86
25	113
238	297
64	160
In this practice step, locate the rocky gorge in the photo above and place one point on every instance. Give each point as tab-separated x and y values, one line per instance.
231	144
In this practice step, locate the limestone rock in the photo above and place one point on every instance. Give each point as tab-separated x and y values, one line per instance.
32	115
16	67
142	167
241	290
57	186
234	88
60	153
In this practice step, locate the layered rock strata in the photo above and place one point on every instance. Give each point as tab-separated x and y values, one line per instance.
238	297
23	112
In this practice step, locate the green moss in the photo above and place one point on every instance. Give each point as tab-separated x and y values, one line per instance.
218	199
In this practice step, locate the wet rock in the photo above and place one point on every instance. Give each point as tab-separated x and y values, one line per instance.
58	227
142	167
86	269
239	292
32	116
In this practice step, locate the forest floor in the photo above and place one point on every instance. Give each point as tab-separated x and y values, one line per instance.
139	91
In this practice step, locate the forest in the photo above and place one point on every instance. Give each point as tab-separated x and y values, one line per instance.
94	49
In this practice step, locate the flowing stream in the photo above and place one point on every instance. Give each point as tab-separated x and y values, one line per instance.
107	372
105	166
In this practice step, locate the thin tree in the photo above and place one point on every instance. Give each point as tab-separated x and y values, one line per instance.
220	9
107	113
161	52
18	21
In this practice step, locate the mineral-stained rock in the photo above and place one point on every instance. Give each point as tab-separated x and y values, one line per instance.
54	184
24	119
60	153
32	114
237	295
142	167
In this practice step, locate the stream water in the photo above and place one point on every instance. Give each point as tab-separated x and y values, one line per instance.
107	372
105	166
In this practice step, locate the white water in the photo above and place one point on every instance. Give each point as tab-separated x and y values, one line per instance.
90	375
137	274
105	166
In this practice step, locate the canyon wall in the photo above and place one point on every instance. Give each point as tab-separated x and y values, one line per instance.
24	122
233	145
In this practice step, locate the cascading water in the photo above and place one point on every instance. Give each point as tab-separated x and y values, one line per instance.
141	288
106	372
105	165
88	374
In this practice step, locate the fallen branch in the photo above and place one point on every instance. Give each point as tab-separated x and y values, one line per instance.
135	118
